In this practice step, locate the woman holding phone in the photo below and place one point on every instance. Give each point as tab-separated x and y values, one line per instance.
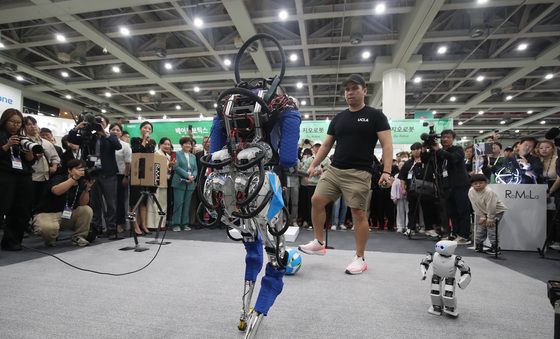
183	183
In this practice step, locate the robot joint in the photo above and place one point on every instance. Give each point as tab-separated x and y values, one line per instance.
449	281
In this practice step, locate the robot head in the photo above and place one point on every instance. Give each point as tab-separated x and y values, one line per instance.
446	247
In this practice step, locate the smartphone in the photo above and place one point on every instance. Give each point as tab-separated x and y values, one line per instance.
173	156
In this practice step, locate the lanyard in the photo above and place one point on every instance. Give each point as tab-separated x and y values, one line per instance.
75	197
496	161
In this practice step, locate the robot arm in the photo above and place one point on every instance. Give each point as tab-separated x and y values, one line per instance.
465	270
425	265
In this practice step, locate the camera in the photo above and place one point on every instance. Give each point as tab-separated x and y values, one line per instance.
29	145
430	138
93	123
92	172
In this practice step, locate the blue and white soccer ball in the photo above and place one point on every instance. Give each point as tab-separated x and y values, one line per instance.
294	261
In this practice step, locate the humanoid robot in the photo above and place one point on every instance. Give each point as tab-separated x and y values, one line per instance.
445	264
256	128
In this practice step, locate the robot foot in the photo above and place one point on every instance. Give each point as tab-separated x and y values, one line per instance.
435	310
255	320
451	312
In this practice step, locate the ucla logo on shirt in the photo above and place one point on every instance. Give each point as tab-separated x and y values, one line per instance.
363	119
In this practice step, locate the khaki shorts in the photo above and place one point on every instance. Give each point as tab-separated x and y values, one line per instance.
353	184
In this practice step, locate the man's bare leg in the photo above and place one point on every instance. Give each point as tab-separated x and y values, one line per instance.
361	230
318	214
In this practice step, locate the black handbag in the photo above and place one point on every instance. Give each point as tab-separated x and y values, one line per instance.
422	188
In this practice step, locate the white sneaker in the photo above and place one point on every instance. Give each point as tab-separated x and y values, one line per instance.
342	227
462	241
333	228
555	246
357	266
176	229
431	233
400	230
313	247
187	228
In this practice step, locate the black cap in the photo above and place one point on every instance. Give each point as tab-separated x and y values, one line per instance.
415	146
356	78
479	177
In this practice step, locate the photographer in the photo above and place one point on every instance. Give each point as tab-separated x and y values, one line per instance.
15	180
98	150
453	184
65	205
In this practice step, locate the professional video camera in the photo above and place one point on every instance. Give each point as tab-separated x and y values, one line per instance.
430	138
29	145
93	123
553	134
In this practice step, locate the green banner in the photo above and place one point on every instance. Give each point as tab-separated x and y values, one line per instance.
406	131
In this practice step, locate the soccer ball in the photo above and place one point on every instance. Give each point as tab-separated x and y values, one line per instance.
294	261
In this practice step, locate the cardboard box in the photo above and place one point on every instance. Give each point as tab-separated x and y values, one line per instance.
148	169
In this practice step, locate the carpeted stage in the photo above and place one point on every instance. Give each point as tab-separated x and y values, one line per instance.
193	290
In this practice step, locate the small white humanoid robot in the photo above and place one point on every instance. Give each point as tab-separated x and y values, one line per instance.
445	265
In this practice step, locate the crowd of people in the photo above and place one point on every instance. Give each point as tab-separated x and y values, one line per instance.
85	184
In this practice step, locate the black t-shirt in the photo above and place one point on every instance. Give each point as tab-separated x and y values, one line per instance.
52	203
355	134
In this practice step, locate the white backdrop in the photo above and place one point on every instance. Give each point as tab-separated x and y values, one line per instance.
10	98
523	226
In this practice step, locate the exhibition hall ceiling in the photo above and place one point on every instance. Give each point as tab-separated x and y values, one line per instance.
484	63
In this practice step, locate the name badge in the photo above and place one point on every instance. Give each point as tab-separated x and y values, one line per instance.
67	213
445	174
409	176
16	163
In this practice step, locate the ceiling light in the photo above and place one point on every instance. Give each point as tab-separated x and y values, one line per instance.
64	74
453	99
196	89
139	109
509	97
103	110
516	131
227	62
68	96
283	15
434	112
116	69
2	45
299	85
480	78
124	31
480	2
480	112
549	76
165	116
178	107
380	8
366	55
19	78
152	92
529	112
522	46
460	123
215	105
303	102
481	131
108	94
542	122
442	50
168	65
198	22
306	116
293	57
417	80
503	122
60	37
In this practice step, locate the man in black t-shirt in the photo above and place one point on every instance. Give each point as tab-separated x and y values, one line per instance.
356	131
65	205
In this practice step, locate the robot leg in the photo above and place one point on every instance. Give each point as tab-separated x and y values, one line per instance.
253	265
449	298
435	295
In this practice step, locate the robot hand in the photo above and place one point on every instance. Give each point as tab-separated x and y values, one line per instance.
464	281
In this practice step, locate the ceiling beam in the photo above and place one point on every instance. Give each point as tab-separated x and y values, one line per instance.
525	121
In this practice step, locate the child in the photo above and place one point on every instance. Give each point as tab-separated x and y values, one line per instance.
488	209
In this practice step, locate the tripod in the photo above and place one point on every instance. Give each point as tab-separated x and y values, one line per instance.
145	195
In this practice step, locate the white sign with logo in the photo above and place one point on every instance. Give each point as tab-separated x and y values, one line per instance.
523	227
10	98
59	126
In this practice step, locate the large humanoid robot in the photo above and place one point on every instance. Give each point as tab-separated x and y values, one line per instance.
256	128
445	265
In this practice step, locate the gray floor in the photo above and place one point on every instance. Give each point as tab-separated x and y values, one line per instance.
193	289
